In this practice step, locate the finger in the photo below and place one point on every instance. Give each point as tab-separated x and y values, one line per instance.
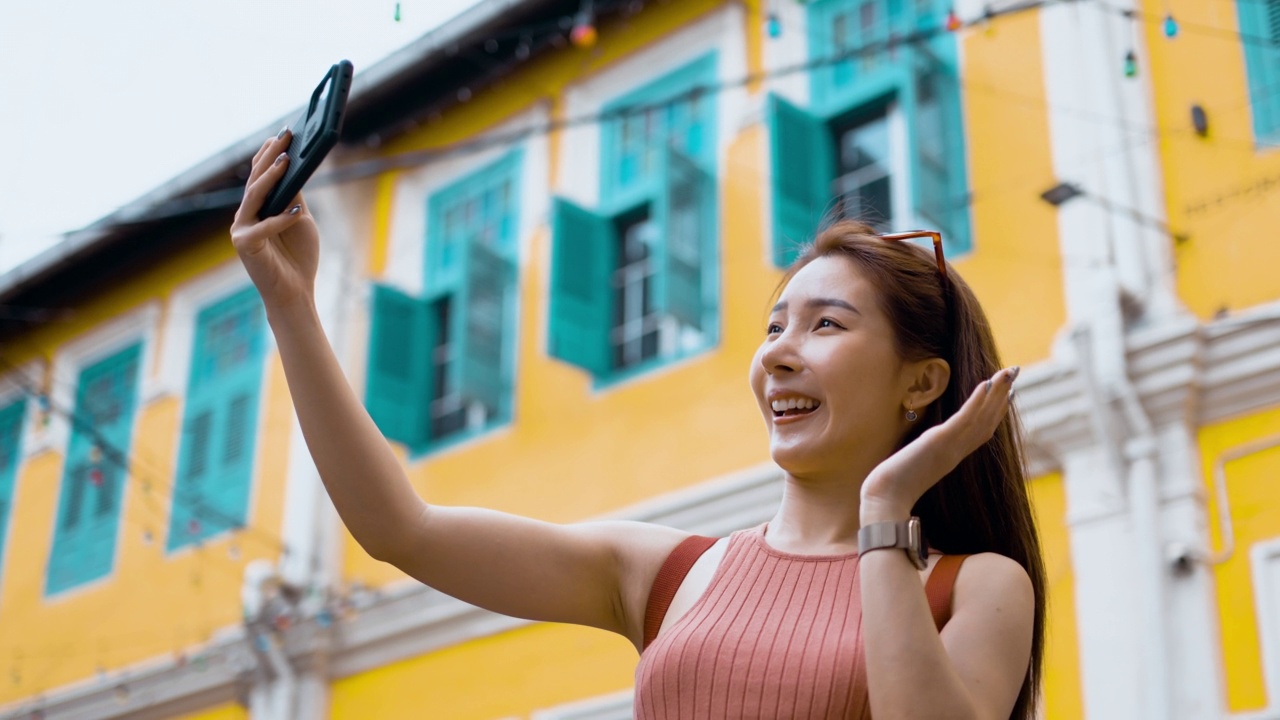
267	154
258	155
255	193
271	227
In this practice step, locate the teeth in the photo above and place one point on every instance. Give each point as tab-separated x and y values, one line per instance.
793	403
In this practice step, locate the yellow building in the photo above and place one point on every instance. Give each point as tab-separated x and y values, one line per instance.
550	241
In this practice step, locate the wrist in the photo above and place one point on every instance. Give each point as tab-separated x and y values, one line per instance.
877	510
301	313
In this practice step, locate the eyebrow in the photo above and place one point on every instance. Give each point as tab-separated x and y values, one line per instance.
819	302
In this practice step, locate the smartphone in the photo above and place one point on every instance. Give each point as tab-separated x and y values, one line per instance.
315	132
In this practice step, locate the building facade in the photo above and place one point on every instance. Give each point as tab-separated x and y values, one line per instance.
550	241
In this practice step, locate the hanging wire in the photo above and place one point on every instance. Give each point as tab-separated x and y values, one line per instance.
121	459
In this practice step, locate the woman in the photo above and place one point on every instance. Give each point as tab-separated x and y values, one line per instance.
862	379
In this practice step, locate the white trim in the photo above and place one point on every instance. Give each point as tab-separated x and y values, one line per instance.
185	305
1264	567
137	325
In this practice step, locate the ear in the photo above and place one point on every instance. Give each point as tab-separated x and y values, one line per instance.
925	381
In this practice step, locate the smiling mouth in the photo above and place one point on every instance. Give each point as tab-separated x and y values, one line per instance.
796	412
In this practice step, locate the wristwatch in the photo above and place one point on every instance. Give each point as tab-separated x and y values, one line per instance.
906	535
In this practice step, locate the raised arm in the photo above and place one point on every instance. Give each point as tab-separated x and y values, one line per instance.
594	574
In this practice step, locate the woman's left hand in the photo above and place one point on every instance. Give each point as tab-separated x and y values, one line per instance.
893	488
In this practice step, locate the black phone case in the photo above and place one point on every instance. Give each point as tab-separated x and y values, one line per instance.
315	132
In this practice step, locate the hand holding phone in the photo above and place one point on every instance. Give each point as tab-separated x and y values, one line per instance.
315	132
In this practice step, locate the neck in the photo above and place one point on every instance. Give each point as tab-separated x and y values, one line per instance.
818	514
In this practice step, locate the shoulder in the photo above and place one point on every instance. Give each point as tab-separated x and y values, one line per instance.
996	583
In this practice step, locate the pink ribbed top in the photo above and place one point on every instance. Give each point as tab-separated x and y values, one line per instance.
775	635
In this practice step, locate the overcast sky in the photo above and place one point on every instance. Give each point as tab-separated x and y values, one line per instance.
102	102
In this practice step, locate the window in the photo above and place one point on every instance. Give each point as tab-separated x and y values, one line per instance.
219	427
441	366
1261	19
864	170
634	281
95	471
882	139
11	416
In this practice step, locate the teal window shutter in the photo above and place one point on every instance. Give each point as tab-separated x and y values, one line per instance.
685	213
215	457
483	316
935	121
803	157
584	253
94	472
470	281
1260	21
10	444
400	376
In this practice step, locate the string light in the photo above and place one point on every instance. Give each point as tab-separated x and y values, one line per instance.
1170	26
953	21
1130	64
397	12
774	23
584	33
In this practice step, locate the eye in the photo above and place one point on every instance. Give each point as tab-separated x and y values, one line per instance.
828	322
773	328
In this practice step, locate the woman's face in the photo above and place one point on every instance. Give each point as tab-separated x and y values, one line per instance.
827	377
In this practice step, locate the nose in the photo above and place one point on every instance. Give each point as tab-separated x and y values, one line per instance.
779	354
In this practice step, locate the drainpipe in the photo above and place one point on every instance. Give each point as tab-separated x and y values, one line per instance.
1142	453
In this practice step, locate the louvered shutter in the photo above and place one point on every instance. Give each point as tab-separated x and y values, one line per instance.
211	494
803	157
93	482
398	390
935	123
10	444
584	254
482	314
1260	25
684	210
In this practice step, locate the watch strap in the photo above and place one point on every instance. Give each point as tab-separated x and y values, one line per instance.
879	536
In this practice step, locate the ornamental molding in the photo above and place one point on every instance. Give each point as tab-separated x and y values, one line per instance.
1184	372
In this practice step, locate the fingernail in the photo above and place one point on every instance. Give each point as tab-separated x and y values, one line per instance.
280	158
283	130
1012	393
1013	374
294	210
988	384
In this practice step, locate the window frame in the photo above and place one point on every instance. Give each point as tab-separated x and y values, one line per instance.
99	348
215	290
434	285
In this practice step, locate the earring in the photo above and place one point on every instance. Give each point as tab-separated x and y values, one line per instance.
912	416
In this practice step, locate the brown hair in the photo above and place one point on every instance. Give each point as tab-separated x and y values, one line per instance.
982	505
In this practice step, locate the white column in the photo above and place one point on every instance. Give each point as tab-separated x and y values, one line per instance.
1131	493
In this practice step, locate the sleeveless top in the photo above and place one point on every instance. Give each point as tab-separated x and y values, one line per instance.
774	635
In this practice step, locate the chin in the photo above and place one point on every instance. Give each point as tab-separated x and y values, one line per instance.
795	459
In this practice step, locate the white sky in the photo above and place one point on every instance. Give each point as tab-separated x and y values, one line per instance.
102	102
